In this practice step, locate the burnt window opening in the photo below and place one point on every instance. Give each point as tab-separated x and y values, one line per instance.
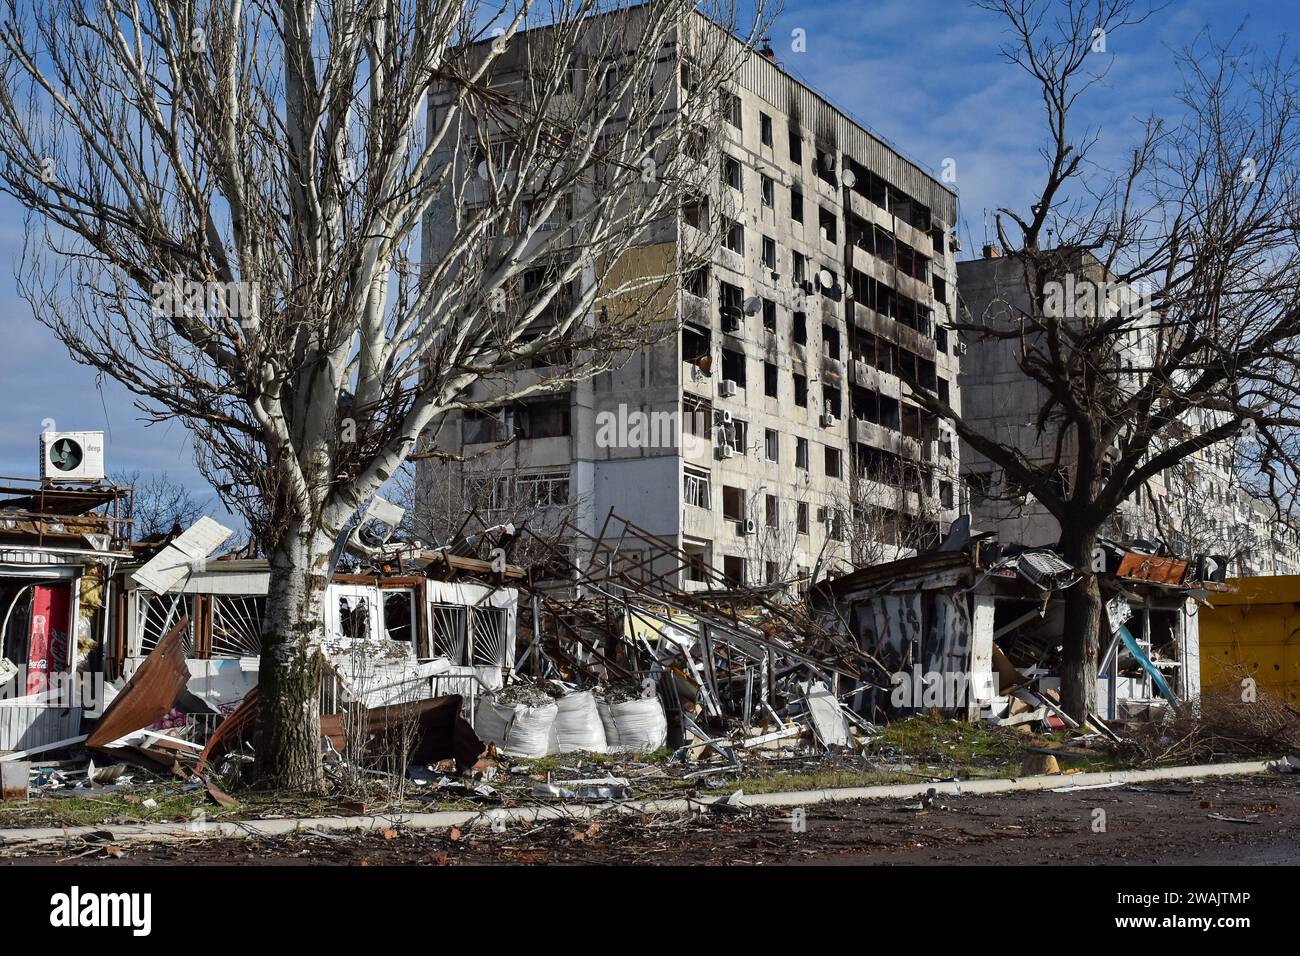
831	341
733	367
731	302
696	342
827	224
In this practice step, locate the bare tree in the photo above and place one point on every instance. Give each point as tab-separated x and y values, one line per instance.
230	199
159	503
1200	226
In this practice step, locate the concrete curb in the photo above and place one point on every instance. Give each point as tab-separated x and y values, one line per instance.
472	818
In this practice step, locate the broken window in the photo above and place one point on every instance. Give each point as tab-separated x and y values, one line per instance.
731	175
399	615
734	237
731	108
697	416
770	381
801	454
769	315
796	205
772	444
733	567
695	210
480	427
796	147
801	517
799	328
800	390
733	366
543	489
733	503
765	129
697	282
772	511
827	223
832	462
354	617
542	419
695	342
831	399
697	563
769	253
767	190
831	342
695	488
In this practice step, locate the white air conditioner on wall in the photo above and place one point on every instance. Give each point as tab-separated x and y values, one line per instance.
828	420
727	388
72	456
749	526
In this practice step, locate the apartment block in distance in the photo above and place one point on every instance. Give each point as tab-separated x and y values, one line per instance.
799	450
1200	506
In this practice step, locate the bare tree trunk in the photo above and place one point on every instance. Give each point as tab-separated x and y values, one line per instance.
288	750
1081	635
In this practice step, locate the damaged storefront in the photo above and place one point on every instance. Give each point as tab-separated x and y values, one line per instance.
59	547
976	632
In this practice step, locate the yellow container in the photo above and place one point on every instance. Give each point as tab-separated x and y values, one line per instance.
1256	627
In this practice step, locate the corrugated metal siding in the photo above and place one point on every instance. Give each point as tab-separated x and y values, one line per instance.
23	727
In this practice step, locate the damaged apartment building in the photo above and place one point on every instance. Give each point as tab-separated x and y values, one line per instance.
1198	507
836	273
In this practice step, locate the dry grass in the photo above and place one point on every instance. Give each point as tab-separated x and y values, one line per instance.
1225	722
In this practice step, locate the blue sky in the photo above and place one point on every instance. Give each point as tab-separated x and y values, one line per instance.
924	74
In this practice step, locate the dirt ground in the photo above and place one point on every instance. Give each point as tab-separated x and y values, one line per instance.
1157	823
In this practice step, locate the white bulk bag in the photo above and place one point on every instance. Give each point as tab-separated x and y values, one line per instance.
517	729
636	725
578	725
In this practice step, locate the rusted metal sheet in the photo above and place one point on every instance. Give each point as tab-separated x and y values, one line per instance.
238	724
440	732
150	693
1150	567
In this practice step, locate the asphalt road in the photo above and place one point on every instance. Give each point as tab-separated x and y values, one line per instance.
1168	823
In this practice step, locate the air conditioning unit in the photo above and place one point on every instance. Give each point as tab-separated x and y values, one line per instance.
749	526
961	348
730	323
725	451
724	416
72	456
375	527
827	420
727	388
